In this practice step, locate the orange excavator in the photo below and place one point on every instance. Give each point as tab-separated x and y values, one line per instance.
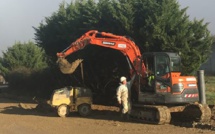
157	89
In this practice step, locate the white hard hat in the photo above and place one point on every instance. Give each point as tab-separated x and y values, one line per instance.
122	79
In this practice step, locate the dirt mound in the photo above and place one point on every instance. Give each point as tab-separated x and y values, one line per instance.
212	107
105	108
40	106
27	106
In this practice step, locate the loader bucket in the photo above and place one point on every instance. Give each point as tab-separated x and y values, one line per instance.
66	67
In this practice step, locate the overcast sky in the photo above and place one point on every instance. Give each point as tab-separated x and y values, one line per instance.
17	17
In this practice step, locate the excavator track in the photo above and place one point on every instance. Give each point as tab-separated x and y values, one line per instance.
162	114
194	112
151	114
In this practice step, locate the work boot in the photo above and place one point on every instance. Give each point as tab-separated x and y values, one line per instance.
125	117
121	115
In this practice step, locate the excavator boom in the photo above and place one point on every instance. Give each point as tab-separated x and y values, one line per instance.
103	39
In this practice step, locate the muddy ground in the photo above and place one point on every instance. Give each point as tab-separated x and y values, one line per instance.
20	115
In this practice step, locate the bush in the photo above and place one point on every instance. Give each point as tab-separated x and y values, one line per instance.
19	78
24	81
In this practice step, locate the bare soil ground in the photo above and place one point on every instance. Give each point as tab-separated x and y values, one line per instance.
18	116
21	115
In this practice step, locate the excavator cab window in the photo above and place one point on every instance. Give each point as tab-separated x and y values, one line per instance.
148	81
163	68
162	65
158	69
175	64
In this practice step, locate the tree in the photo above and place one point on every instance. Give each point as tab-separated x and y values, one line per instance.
66	25
155	25
163	26
23	55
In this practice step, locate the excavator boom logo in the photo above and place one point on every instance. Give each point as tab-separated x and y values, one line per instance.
108	43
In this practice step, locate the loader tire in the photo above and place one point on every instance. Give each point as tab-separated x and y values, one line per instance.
84	109
63	110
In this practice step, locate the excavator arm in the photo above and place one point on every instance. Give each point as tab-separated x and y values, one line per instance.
103	39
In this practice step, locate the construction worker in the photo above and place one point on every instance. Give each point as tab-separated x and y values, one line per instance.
150	76
122	96
150	80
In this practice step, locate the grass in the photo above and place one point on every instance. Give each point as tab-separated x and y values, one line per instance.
210	89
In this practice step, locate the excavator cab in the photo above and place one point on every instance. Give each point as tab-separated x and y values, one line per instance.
163	84
158	69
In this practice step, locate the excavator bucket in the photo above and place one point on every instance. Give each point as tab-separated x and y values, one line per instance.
66	67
